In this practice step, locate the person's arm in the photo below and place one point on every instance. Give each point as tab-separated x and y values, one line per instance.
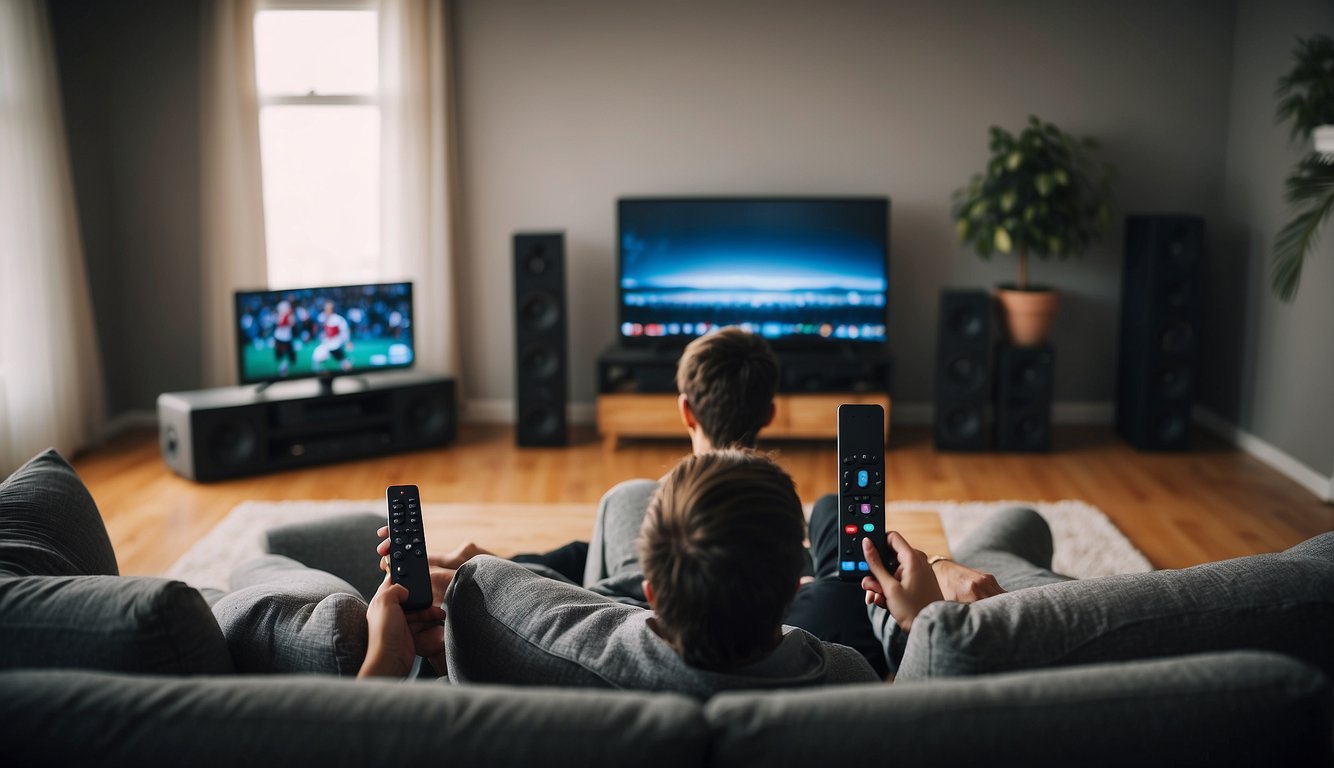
907	591
962	584
397	637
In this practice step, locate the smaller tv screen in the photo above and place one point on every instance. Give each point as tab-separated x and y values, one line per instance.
329	331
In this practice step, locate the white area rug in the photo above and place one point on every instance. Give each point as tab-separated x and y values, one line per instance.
1087	544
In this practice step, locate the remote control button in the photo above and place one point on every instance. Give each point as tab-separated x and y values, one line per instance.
863	566
869	527
850	529
398	555
863	478
866	457
398	539
866	509
852	507
420	552
849	459
848	565
407	547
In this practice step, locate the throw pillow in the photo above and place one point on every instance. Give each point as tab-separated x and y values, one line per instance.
49	525
284	617
1281	602
111	623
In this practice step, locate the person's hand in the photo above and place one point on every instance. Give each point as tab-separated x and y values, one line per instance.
457	557
905	592
395	637
963	584
441	578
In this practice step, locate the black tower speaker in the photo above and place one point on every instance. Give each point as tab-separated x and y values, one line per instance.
1023	397
963	370
539	338
1160	330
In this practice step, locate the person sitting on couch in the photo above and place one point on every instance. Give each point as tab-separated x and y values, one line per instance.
727	380
722	552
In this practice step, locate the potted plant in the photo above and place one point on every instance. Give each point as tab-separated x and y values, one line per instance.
1306	98
1038	196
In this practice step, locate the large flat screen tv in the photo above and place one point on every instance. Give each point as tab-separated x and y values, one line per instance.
329	331
794	270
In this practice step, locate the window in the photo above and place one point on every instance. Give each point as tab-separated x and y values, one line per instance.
319	123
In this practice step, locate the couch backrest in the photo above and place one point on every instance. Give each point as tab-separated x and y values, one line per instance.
1229	709
1241	708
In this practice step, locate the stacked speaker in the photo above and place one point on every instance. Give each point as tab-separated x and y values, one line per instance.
985	399
1023	397
1160	321
963	371
539	334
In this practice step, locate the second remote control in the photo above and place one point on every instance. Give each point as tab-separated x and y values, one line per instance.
407	546
861	489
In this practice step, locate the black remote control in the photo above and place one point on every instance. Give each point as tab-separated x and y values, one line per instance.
861	489
407	546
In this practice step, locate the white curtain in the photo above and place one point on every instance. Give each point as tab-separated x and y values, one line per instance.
232	204
51	385
417	171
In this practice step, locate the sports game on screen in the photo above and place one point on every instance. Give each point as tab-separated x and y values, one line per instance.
783	268
308	332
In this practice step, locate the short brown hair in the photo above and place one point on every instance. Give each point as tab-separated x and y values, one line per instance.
729	378
722	547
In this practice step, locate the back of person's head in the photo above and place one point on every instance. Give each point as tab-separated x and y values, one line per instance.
721	547
729	378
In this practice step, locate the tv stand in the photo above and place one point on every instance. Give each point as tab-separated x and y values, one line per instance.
637	391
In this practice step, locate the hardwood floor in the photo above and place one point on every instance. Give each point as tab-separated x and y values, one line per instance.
1180	509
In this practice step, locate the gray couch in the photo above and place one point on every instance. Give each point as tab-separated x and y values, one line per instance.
101	669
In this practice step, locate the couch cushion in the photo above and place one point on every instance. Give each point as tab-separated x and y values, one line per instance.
561	634
122	624
1282	602
284	617
52	718
49	525
343	545
1242	708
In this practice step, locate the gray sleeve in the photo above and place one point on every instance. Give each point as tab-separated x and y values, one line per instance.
611	548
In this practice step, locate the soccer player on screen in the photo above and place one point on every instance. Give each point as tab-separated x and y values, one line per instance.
282	337
335	340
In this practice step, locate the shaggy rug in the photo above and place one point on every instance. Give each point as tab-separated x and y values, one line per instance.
1087	543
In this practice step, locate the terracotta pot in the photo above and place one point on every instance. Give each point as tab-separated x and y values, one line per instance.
1028	314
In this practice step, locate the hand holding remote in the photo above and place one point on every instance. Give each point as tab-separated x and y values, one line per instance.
907	591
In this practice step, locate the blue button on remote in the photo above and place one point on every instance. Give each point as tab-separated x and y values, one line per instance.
863	478
849	565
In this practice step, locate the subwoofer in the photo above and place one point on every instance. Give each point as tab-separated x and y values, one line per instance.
1160	330
963	370
1023	397
540	365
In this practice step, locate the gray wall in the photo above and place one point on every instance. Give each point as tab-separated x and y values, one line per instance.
129	75
566	106
1274	361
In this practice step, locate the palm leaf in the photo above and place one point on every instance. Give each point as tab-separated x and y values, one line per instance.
1298	238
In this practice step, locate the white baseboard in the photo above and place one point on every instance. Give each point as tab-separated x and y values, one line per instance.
501	411
1069	412
124	422
1311	480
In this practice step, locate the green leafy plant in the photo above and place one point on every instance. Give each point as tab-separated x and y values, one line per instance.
1306	94
1040	194
1306	98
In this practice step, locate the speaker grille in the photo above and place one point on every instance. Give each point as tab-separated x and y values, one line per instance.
1160	329
540	342
963	370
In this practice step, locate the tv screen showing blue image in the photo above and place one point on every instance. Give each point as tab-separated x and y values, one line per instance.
330	331
787	269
